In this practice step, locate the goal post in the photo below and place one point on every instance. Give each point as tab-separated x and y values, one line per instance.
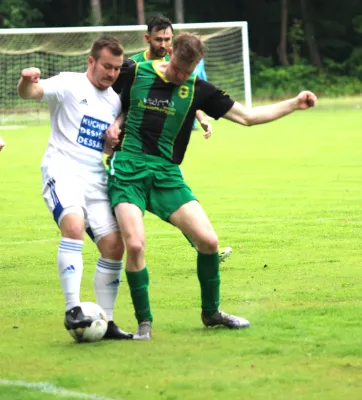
54	50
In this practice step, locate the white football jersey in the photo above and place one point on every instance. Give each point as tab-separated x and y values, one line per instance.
79	115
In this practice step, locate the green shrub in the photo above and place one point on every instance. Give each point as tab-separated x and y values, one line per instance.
279	82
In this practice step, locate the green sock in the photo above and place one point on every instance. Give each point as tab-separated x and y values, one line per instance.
209	277
138	285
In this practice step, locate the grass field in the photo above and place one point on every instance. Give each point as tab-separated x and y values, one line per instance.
286	196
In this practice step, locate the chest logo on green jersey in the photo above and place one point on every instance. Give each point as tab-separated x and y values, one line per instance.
183	91
162	105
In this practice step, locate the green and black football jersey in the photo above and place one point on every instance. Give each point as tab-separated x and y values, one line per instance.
160	114
139	57
142	56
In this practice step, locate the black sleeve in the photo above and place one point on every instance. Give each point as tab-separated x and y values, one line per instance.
122	77
213	101
128	80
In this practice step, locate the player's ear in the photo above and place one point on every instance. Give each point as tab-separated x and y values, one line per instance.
147	37
91	60
170	51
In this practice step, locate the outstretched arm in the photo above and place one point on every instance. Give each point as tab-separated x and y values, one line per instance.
264	114
28	86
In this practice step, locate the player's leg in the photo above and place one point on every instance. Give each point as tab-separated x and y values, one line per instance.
104	231
70	265
64	196
191	219
224	252
107	280
128	199
130	220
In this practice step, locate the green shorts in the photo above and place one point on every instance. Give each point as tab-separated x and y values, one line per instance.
150	182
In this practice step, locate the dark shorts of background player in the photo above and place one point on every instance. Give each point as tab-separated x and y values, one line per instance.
150	182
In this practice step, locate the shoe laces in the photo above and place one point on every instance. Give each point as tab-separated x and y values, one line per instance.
225	316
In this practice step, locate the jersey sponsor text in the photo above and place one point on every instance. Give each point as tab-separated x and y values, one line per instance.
91	133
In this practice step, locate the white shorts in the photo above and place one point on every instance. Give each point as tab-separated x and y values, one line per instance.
66	185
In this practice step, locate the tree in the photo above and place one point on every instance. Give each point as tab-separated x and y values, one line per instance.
96	11
179	11
310	34
140	12
21	13
282	50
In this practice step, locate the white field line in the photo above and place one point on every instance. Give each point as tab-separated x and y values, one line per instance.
27	242
45	387
21	242
11	127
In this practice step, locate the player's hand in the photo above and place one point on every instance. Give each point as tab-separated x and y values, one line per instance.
111	135
306	100
2	143
31	74
207	127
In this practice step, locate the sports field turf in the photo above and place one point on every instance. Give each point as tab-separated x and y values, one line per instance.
287	197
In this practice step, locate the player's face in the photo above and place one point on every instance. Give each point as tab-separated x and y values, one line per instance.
104	71
160	42
179	71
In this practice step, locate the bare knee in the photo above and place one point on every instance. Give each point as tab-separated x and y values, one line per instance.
111	246
73	230
135	246
72	224
208	245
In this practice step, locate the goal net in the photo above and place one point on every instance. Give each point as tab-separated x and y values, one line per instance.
54	50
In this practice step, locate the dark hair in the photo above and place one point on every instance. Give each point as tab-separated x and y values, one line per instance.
106	41
158	23
188	47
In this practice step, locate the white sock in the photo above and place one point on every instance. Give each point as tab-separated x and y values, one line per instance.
107	279
70	268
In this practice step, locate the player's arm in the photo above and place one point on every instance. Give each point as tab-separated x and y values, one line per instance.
201	116
28	85
217	104
205	124
126	92
108	150
2	143
111	135
264	114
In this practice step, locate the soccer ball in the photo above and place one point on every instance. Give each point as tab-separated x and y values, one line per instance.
97	330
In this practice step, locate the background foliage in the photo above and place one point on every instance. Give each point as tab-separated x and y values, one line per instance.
323	38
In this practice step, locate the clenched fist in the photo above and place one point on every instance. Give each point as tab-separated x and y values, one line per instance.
31	74
306	100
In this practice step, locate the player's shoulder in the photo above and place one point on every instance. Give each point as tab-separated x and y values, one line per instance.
63	82
199	82
72	75
113	95
139	57
70	79
128	64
